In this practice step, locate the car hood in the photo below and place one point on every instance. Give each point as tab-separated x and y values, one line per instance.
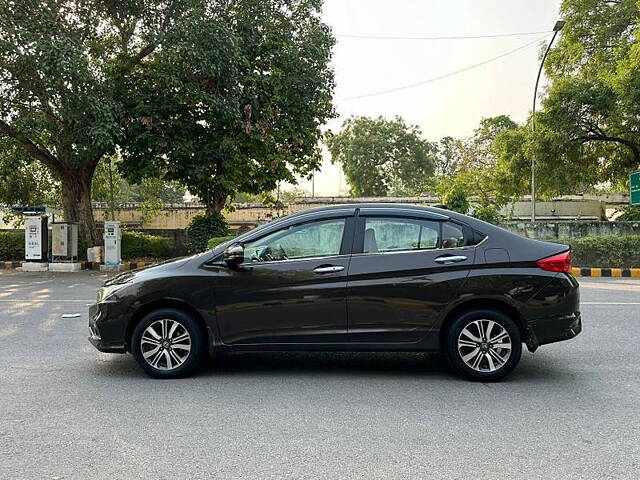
146	272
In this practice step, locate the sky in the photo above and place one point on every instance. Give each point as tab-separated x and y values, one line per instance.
450	106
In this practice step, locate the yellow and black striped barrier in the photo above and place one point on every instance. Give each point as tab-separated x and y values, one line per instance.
9	265
606	272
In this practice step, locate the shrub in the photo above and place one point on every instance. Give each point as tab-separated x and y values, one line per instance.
609	251
204	227
630	213
138	245
215	241
456	199
488	214
11	246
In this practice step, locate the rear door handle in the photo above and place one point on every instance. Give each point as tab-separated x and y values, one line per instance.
451	259
329	269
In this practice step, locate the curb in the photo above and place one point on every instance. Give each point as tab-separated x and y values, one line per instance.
83	265
606	272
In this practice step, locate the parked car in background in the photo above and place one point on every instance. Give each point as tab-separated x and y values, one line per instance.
370	277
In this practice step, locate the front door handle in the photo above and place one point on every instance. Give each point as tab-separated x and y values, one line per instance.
451	259
329	269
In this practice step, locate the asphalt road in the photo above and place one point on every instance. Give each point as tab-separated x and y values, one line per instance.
571	410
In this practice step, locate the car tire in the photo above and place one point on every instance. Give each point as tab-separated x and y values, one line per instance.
483	345
168	343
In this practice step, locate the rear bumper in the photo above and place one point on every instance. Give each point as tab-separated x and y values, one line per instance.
554	329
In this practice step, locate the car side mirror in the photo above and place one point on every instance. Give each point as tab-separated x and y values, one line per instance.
234	255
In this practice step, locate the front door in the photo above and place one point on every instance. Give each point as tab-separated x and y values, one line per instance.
402	275
290	289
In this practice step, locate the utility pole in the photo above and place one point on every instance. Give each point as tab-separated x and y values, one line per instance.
113	214
556	28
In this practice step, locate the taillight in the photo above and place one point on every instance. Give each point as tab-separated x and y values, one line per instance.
557	263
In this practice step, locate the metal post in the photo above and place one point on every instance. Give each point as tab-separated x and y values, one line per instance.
557	27
113	214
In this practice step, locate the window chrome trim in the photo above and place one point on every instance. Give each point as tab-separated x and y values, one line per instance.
402	213
292	260
467	247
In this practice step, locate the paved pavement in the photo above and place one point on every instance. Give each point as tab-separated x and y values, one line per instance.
572	410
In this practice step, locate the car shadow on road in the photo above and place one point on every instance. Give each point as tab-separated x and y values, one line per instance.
327	364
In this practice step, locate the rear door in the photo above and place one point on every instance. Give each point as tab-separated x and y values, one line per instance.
403	273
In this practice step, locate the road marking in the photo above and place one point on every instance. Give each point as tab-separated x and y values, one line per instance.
37	300
609	303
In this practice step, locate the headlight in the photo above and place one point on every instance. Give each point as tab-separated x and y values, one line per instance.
105	292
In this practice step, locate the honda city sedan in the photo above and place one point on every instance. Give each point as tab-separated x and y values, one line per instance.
371	277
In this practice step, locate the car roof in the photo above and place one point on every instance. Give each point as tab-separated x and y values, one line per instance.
376	208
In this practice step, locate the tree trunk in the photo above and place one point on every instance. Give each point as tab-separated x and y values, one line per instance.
216	200
76	199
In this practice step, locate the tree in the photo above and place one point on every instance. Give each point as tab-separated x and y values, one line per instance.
23	181
481	171
589	129
383	157
151	194
245	90
62	65
449	156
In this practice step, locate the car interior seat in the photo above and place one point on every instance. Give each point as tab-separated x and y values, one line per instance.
370	244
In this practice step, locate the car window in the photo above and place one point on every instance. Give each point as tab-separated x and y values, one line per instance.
452	235
397	234
314	239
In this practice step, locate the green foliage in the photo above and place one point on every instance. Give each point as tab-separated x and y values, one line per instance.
250	86
609	251
11	246
630	213
141	245
456	199
383	157
215	241
449	156
151	194
488	214
204	227
589	129
481	169
23	181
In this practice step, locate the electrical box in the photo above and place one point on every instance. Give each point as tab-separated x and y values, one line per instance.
36	239
64	239
112	243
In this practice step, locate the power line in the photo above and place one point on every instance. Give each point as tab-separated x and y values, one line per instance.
450	74
457	37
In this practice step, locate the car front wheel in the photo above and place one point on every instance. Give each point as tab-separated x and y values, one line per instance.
484	345
168	343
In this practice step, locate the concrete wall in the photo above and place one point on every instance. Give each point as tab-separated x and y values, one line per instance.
582	207
559	230
179	216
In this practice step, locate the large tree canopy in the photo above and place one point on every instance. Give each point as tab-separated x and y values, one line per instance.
221	95
245	90
383	157
61	67
588	131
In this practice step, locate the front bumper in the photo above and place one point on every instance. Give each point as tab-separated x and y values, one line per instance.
554	329
102	329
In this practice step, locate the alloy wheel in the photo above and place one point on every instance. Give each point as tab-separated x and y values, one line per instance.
165	344
484	345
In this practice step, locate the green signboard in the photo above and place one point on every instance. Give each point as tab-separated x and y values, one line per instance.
634	182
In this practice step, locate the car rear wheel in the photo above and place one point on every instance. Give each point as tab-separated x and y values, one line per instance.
168	343
484	345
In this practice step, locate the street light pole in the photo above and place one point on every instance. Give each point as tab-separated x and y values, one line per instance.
556	28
